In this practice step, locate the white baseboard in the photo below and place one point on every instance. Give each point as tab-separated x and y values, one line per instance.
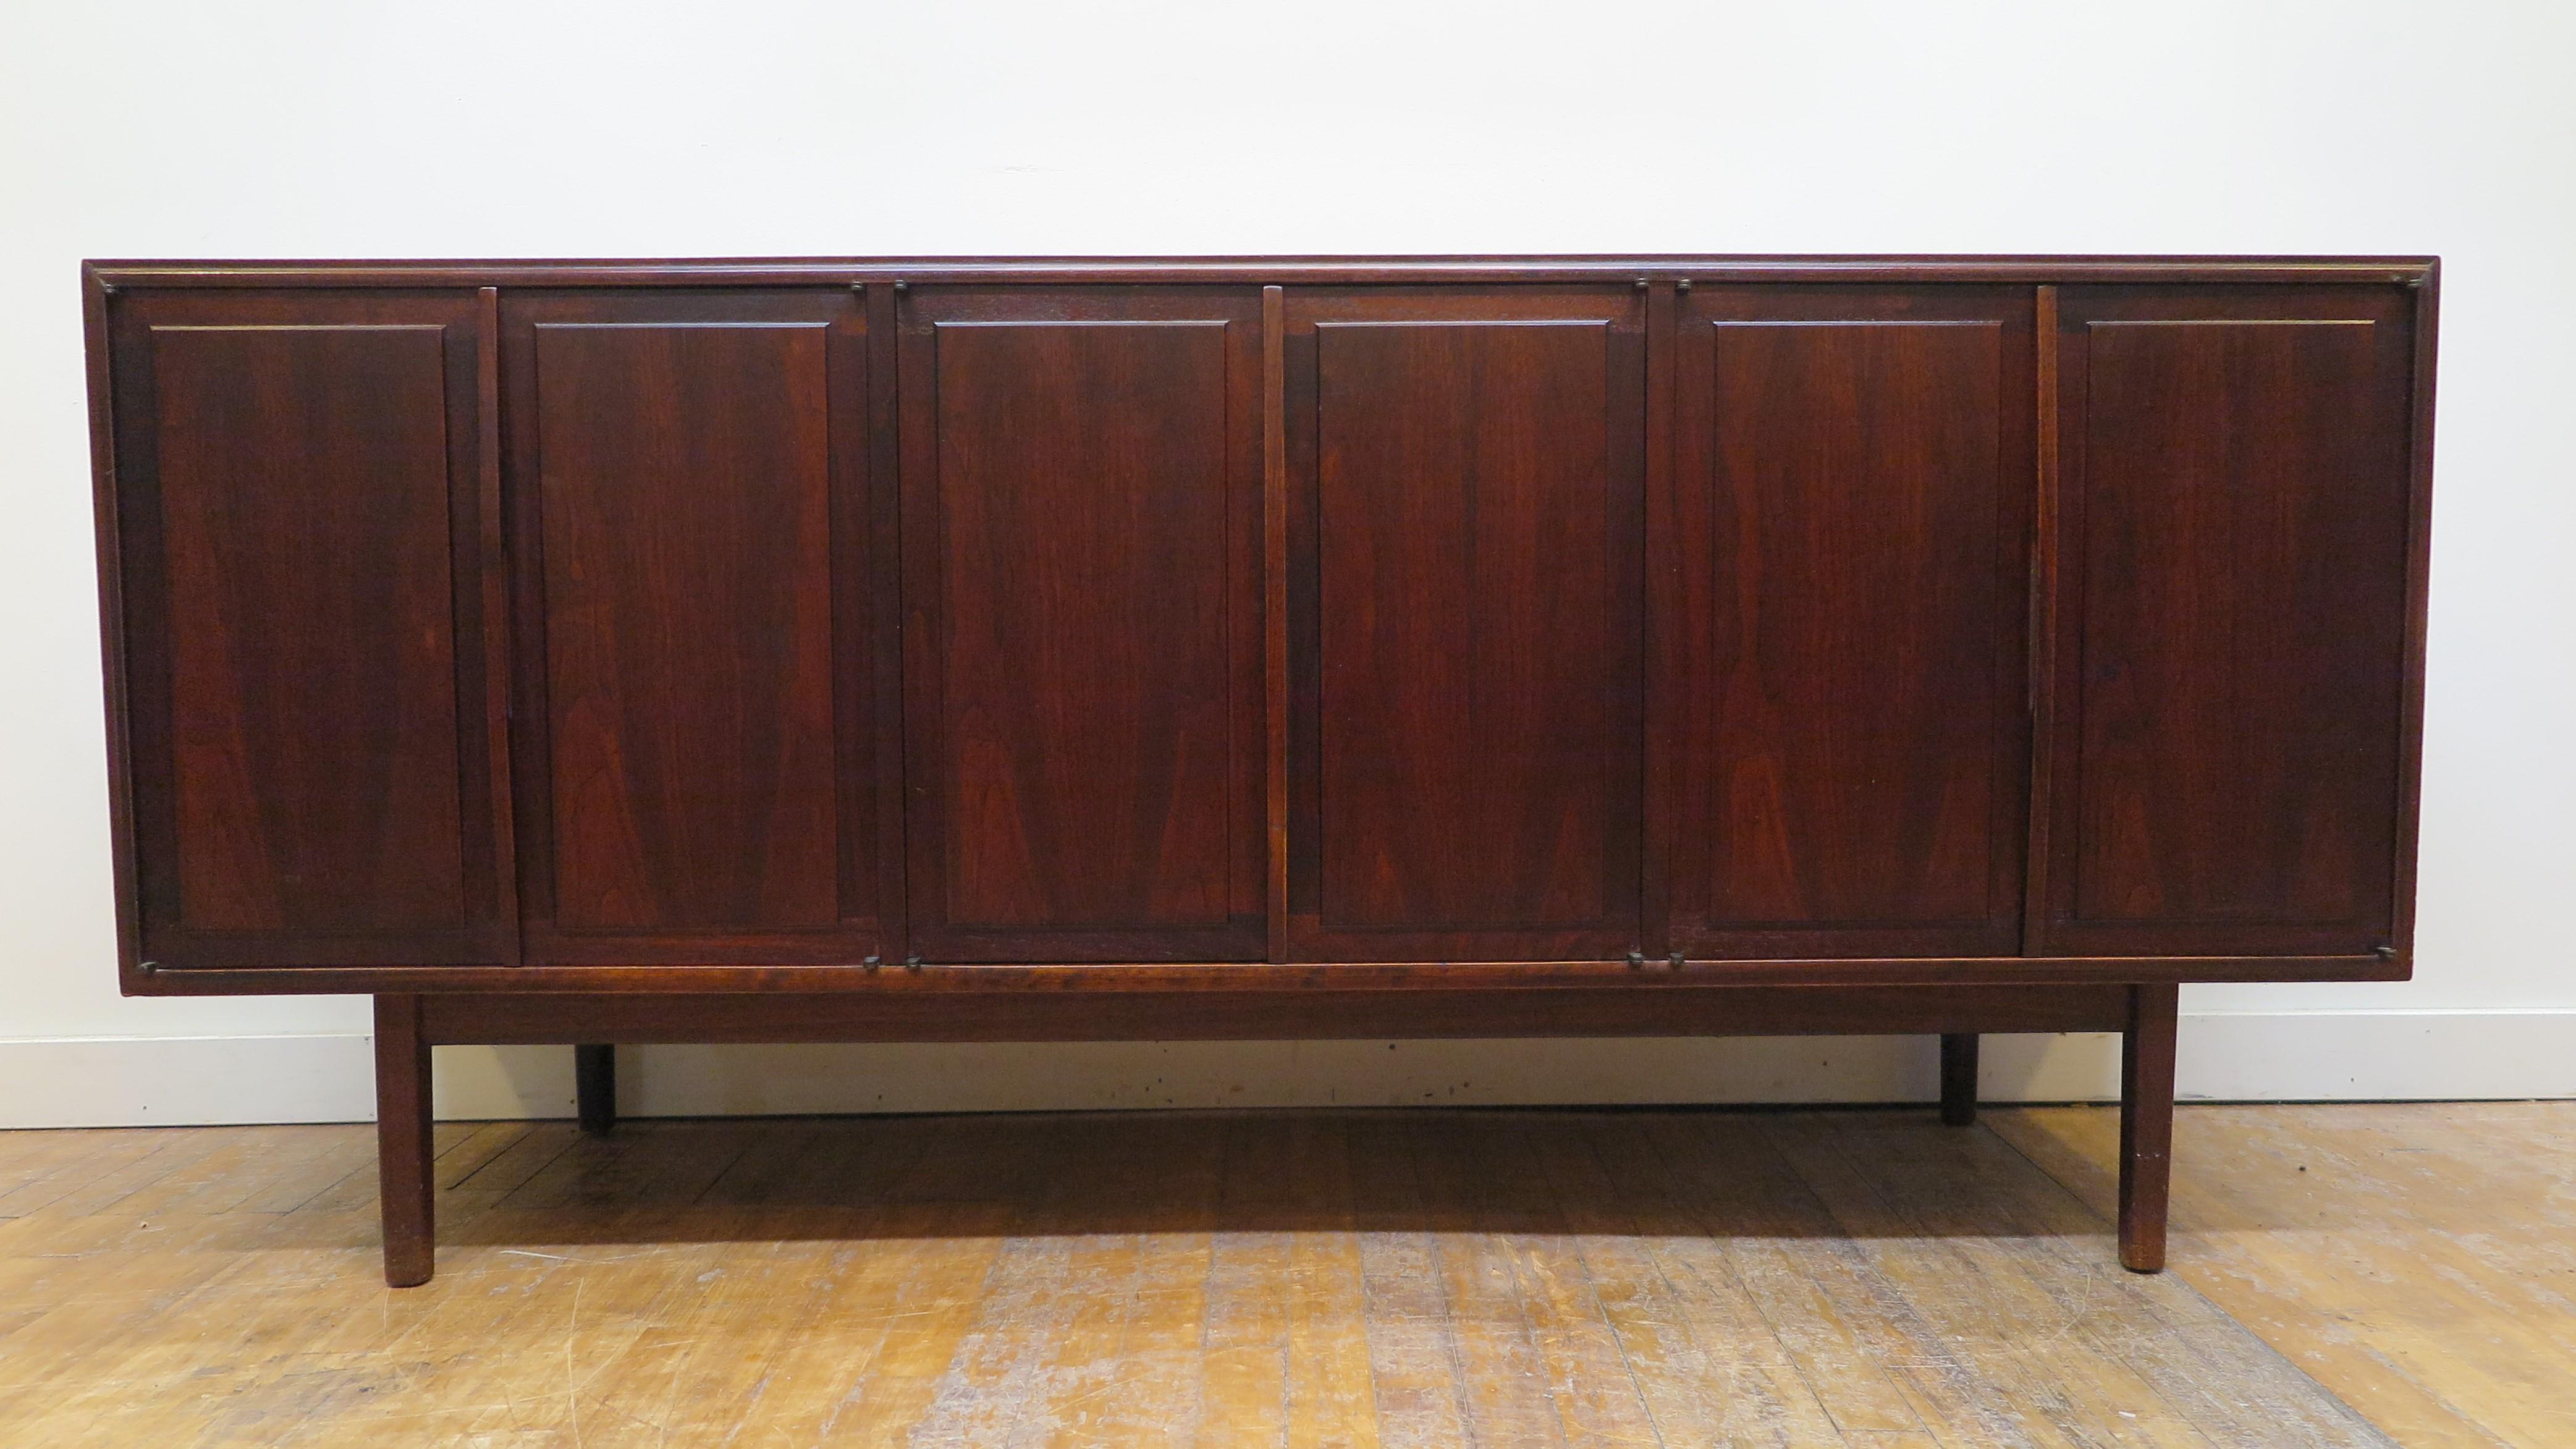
2249	1056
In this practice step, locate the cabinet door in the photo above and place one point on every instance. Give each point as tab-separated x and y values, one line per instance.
1081	560
1843	583
1466	473
699	609
310	703
2231	558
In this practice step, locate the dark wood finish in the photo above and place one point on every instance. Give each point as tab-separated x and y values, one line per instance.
1843	567
2146	1125
1959	1078
492	598
1265	271
594	1084
303	486
1499	647
1660	759
1292	1013
406	1188
2419	569
298	495
2233	557
884	672
115	655
699	758
1082	480
1150	977
1274	609
1658	279
1464	612
2046	612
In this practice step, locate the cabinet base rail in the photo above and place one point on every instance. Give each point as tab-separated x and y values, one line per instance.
407	1026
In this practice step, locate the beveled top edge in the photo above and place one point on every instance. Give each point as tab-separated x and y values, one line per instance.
1247	271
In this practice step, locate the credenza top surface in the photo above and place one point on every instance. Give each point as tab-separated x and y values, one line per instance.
1253	271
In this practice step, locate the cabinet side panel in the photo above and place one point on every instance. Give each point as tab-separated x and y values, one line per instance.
302	518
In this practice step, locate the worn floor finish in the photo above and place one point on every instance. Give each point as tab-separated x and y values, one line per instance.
2419	1260
1414	1279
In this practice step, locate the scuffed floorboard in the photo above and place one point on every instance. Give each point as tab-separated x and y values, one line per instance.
1502	1279
2419	1259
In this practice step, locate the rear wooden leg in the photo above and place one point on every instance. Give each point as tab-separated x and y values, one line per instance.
594	1077
1959	1078
2146	1125
406	1190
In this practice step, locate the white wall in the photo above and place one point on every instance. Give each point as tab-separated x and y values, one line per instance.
299	128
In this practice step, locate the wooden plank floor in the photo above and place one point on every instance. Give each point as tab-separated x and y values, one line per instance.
1416	1279
2419	1260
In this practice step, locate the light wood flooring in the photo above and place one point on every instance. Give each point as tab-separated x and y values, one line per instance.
1416	1279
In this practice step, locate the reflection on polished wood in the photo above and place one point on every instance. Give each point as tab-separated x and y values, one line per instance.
1503	1277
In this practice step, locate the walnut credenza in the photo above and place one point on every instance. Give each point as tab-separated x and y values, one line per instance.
1023	650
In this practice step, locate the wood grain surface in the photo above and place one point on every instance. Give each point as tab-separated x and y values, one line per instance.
1842	573
1377	615
1082	503
1863	1278
300	561
1464	551
695	765
2233	560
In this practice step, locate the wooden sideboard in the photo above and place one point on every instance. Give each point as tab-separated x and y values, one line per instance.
1024	650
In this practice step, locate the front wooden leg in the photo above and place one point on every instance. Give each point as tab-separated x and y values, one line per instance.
2146	1125
406	1190
594	1085
1959	1078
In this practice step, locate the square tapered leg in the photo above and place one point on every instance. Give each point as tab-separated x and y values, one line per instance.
406	1193
594	1074
1959	1078
2146	1125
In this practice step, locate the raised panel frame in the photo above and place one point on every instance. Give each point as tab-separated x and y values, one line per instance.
1694	584
2393	581
1230	318
153	935
865	744
1620	315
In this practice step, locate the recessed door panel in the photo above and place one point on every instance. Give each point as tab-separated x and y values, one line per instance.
1466	475
692	469
1082	496
1844	653
297	491
2233	569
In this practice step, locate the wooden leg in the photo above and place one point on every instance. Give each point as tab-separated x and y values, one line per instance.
406	1190
1959	1078
594	1075
2146	1125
